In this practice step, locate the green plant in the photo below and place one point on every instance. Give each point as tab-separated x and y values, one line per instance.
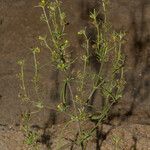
109	83
30	136
23	95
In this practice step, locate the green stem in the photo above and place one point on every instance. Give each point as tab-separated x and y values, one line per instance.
45	15
75	108
104	10
85	60
35	74
103	115
62	24
97	84
49	28
46	44
23	82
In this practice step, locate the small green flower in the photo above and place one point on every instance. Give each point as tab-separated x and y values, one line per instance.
81	32
20	62
52	6
63	16
65	44
39	105
93	15
121	35
62	107
62	66
41	38
36	50
42	3
84	58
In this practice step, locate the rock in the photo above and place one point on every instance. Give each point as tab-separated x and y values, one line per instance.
12	140
127	137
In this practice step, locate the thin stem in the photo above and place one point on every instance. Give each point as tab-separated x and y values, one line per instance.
46	44
23	82
103	115
35	73
49	28
22	74
87	45
64	92
84	71
95	87
62	24
75	107
35	66
104	10
55	23
98	36
85	60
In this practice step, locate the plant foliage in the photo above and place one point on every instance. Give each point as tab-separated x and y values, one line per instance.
82	84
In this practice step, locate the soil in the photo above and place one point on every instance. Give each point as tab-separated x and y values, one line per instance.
20	27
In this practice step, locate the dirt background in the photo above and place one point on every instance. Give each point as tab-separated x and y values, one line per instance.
20	27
